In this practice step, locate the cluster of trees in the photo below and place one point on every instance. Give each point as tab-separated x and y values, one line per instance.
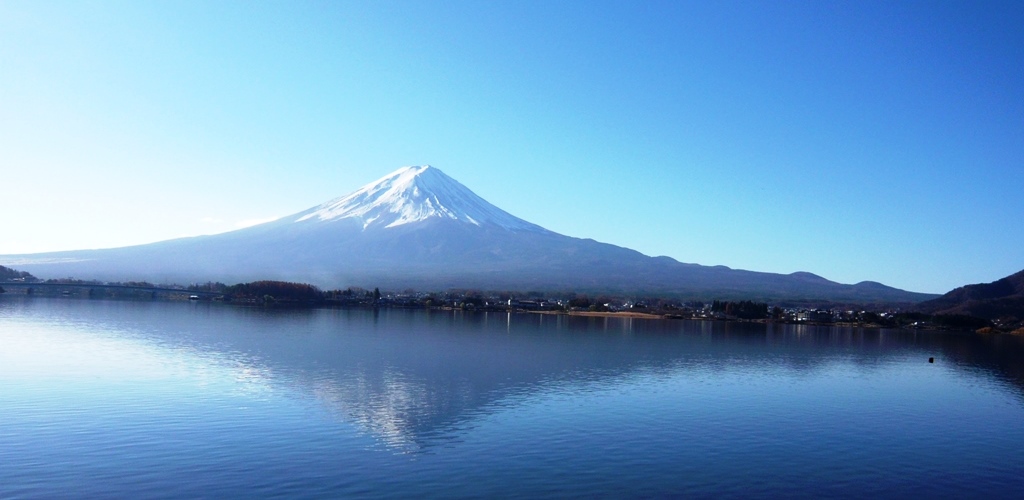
140	284
268	292
744	309
73	281
275	291
352	294
209	286
8	274
584	302
596	304
581	302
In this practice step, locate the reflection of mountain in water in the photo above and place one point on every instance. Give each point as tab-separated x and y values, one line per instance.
415	378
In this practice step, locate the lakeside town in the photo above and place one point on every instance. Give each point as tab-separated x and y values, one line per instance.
280	294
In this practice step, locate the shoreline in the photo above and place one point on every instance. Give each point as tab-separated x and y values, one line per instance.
182	296
873	326
597	314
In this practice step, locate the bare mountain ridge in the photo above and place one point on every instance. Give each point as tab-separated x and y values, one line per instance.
418	228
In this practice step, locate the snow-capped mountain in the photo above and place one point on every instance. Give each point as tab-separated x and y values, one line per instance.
419	228
415	194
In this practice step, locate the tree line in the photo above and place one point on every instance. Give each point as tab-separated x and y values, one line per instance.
744	309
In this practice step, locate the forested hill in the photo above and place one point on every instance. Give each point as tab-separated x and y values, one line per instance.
1002	298
8	274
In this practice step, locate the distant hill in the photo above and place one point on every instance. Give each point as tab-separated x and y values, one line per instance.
8	274
419	228
1002	298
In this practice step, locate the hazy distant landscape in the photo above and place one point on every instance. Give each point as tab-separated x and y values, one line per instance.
419	228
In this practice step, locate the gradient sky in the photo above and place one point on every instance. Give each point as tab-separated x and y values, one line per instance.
857	140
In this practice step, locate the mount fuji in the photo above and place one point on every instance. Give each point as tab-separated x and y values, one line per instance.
419	228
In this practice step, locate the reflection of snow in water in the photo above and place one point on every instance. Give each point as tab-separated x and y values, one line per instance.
252	380
382	407
386	405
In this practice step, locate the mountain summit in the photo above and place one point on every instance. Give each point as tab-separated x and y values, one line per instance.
414	194
418	228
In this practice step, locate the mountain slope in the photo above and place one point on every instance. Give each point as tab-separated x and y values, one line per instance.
1001	298
419	228
414	194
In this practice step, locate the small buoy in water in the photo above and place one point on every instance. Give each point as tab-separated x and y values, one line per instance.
931	360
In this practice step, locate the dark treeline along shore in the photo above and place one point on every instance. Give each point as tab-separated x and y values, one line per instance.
282	294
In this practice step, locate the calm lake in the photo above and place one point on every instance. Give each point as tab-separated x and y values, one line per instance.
163	399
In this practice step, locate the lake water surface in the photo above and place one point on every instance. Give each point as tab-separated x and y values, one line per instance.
162	399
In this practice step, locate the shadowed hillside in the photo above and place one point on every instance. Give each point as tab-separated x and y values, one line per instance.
1003	298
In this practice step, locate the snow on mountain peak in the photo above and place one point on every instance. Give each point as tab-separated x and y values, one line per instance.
412	194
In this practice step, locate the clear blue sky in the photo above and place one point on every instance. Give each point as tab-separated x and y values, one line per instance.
857	140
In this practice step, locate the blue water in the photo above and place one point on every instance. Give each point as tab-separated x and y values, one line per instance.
160	399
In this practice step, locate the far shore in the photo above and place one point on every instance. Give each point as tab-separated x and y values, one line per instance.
841	324
265	298
606	314
640	315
